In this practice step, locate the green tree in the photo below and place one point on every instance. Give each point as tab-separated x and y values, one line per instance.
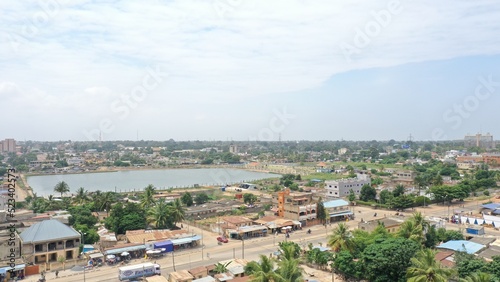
347	266
221	268
385	196
341	238
321	211
61	187
159	215
249	198
201	198
262	271
290	271
148	197
424	267
388	260
81	196
412	231
352	196
187	199
478	277
368	193
399	190
402	202
177	212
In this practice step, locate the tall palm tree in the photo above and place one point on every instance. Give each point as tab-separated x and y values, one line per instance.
177	211
262	271
341	238
96	198
478	277
81	196
410	230
159	214
106	201
148	199
425	268
61	187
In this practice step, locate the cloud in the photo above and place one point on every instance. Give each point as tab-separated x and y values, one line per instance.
87	53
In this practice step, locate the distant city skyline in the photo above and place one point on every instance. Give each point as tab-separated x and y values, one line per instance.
249	70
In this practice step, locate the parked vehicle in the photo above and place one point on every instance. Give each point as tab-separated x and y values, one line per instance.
222	239
138	270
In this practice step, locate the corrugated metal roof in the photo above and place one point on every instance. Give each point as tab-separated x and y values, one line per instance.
462	246
48	230
335	204
205	279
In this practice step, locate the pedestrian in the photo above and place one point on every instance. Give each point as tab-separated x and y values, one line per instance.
57	273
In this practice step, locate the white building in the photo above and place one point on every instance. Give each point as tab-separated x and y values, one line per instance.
342	187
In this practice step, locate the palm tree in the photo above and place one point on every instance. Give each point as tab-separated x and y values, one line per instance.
425	268
61	187
289	271
148	199
177	211
341	238
106	201
81	197
262	271
478	277
411	230
221	268
159	215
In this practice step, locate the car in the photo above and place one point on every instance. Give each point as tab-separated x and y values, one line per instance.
222	239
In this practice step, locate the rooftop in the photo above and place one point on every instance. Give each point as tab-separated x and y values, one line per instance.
335	204
48	230
462	246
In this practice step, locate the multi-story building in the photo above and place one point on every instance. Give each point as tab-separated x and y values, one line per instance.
297	206
337	210
8	146
44	242
342	187
492	159
479	140
233	149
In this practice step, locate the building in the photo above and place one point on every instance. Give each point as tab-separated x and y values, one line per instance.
298	206
492	159
391	225
180	276
235	221
479	140
342	187
337	210
8	146
233	149
46	241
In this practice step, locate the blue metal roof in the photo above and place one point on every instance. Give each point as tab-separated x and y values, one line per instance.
125	249
491	206
462	246
335	204
48	230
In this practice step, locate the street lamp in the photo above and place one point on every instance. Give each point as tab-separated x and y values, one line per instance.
83	247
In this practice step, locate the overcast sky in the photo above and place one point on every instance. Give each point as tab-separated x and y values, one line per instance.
249	70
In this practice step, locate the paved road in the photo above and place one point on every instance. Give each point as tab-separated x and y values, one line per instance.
188	259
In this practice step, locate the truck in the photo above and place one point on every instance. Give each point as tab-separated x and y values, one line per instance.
138	270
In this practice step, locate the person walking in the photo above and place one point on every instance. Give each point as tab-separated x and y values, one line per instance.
57	273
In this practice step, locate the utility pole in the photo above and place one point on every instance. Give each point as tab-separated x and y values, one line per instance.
242	247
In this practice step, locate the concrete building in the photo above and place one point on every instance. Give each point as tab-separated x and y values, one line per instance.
43	242
492	159
298	206
337	210
391	225
479	140
233	149
8	146
342	187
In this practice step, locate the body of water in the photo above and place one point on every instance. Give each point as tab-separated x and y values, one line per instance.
137	180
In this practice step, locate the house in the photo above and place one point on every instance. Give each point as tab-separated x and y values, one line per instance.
297	206
236	221
391	225
342	187
337	210
199	272
180	276
46	241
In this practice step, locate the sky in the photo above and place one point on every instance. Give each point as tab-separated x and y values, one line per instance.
249	70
